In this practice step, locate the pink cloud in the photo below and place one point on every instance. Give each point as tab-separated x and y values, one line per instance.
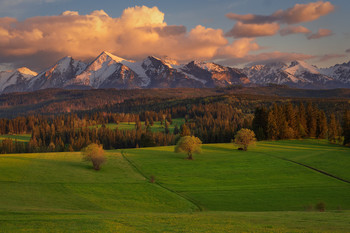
265	58
294	30
138	32
253	30
327	57
320	34
297	14
238	49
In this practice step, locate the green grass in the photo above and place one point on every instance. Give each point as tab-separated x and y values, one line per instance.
61	181
253	191
330	158
18	137
331	222
224	179
157	127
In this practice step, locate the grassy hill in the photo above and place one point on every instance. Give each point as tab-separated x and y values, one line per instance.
222	190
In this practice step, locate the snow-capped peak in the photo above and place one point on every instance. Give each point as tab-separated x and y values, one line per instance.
104	55
209	66
299	67
27	72
172	63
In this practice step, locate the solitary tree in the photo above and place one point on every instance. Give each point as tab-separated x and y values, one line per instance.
244	138
95	154
189	145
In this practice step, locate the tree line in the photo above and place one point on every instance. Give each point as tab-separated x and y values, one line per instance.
211	122
293	122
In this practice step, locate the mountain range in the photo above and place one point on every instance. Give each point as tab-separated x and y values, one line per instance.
110	71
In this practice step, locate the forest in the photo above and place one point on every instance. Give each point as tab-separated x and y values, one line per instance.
213	119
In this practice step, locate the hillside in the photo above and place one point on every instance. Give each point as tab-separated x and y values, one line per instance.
55	101
59	192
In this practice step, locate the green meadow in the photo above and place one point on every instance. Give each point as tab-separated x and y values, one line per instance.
17	137
156	127
266	189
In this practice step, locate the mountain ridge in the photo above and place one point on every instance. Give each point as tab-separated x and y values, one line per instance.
110	71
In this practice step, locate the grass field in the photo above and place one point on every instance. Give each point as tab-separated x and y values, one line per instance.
222	190
157	127
18	137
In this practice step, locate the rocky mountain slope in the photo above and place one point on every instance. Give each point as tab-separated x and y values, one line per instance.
110	71
300	74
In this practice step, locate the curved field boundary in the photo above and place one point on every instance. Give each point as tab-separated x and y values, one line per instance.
160	185
312	168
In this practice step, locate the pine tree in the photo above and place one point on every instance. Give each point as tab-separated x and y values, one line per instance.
272	128
346	127
185	131
311	118
260	123
333	129
322	126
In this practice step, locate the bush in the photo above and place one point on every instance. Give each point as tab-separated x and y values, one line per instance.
95	154
152	179
321	206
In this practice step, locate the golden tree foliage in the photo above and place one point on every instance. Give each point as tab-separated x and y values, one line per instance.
244	138
189	145
95	154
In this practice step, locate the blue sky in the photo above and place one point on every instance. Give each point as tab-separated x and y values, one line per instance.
327	48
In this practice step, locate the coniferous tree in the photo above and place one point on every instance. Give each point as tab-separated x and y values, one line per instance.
260	123
185	131
272	128
346	127
333	132
311	120
322	126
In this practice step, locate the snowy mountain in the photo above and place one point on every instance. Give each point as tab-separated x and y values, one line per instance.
110	71
339	72
14	81
211	74
58	75
298	74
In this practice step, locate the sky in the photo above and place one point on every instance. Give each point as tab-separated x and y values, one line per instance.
37	33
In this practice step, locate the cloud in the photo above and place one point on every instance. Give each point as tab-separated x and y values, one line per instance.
140	31
320	34
294	30
238	49
253	30
6	66
297	14
327	57
265	58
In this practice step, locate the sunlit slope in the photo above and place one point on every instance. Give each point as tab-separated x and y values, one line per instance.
225	179
62	182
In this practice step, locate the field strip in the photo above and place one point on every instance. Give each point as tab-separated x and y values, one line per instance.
307	166
160	185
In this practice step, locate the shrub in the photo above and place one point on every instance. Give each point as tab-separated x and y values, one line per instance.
321	206
95	154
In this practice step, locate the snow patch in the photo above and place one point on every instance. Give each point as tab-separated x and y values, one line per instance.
27	72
